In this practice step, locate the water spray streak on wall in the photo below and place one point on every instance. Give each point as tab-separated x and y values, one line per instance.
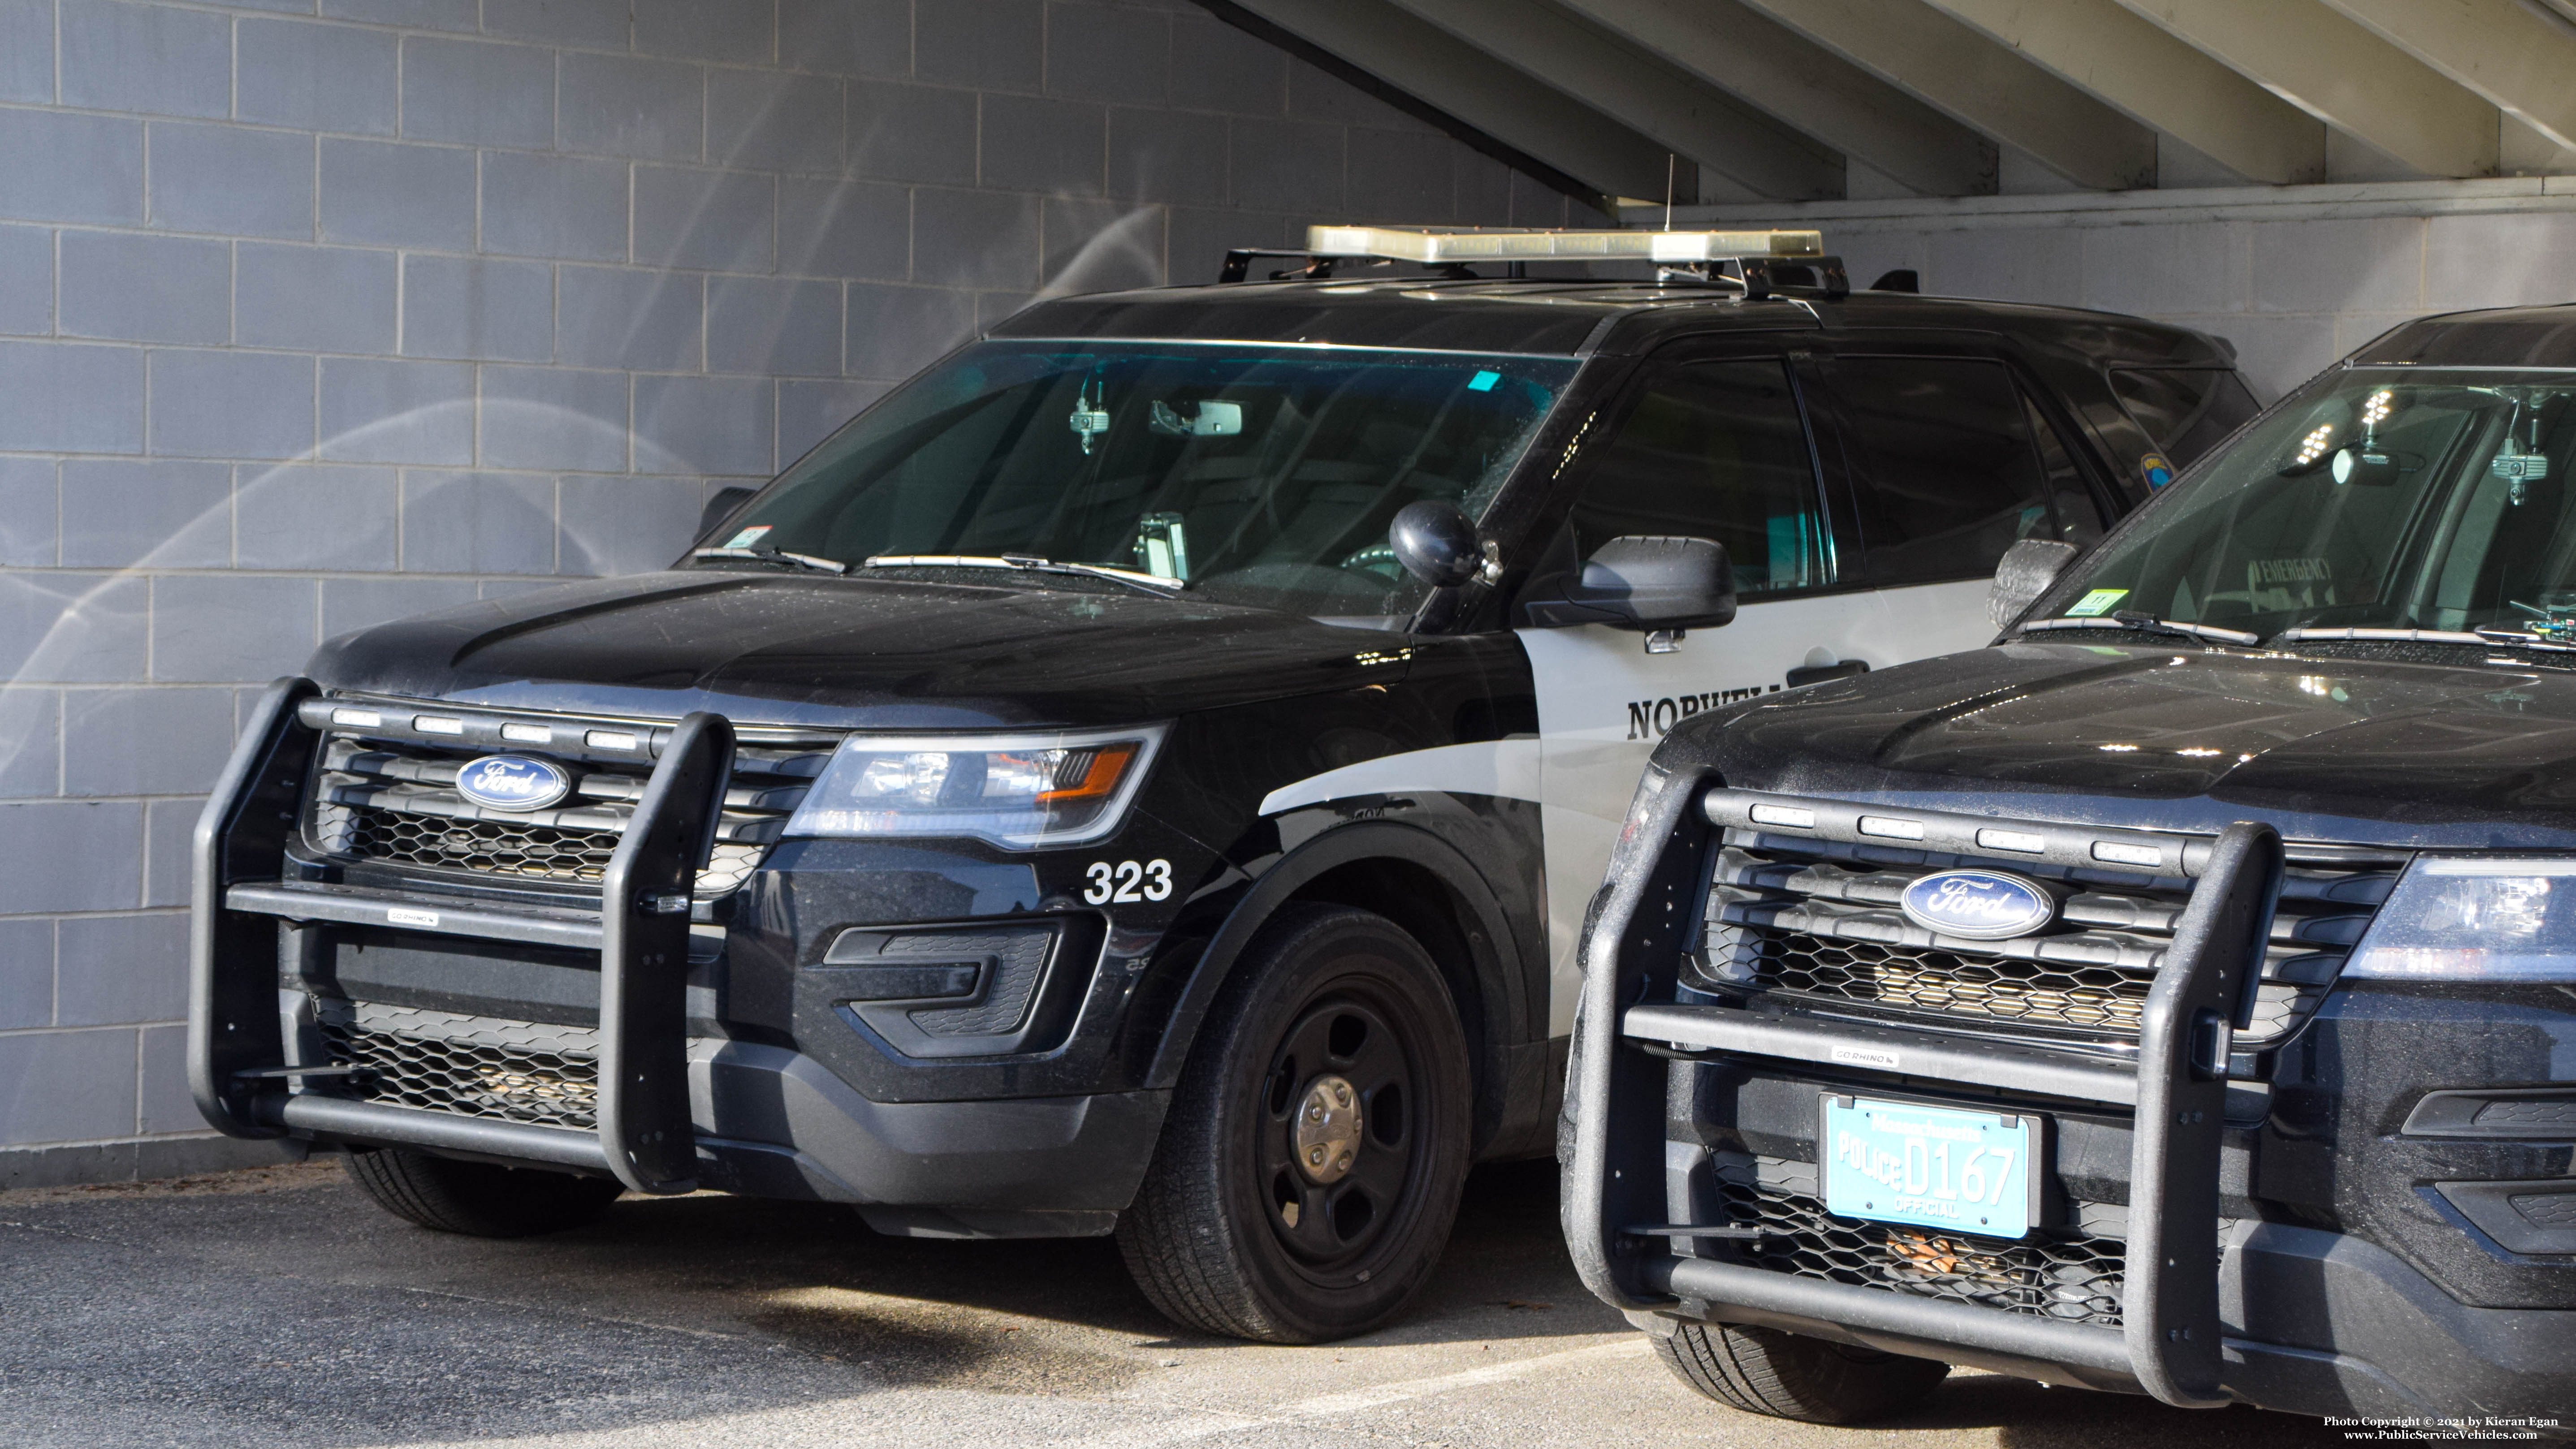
312	321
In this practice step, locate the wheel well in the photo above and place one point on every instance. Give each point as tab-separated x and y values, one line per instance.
1424	906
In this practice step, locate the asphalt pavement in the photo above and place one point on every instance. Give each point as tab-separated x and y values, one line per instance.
279	1309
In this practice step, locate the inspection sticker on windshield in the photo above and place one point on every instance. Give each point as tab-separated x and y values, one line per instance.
1930	1167
2097	602
748	536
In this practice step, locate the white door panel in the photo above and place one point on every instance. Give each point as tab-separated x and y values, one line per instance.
1603	703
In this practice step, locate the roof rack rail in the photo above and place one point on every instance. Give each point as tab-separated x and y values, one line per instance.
1761	263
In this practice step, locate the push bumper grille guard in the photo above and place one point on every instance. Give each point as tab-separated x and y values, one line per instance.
2169	1343
237	1066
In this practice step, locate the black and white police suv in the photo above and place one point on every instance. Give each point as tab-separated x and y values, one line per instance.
2178	996
1146	773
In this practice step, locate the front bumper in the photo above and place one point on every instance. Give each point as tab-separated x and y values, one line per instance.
1622	1216
2314	1323
769	1122
627	1082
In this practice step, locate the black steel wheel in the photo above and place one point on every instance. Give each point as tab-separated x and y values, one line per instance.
476	1198
1310	1167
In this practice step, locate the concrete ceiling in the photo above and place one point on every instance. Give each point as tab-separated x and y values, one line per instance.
1820	99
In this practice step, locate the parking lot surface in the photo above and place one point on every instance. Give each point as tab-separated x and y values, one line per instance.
279	1308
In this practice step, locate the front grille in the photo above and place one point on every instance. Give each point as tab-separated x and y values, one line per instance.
1816	921
2090	998
473	1066
505	847
386	795
2071	1277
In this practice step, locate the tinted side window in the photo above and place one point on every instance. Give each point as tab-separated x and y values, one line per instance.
2185	410
1715	450
2079	517
1951	478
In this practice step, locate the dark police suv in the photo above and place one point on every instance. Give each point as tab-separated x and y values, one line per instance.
1144	774
2177	996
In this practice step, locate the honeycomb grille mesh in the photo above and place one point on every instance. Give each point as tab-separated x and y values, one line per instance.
2541	1113
2546	1209
2070	1279
502	847
439	1061
2092	998
1823	920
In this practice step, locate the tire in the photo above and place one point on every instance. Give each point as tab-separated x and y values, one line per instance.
477	1199
1787	1376
1240	1230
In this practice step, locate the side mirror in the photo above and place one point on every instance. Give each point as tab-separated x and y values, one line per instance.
1437	543
721	507
2028	568
1642	582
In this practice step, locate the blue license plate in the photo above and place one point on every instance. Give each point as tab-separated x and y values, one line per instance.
1928	1167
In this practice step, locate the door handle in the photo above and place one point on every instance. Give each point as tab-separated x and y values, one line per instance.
1819	673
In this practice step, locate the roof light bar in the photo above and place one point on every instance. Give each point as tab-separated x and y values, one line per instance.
1436	248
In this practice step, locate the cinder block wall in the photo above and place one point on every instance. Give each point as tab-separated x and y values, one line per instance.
315	313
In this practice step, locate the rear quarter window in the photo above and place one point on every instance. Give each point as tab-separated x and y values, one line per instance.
2184	411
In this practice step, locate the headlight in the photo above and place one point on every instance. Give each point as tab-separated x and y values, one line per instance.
1013	790
2461	918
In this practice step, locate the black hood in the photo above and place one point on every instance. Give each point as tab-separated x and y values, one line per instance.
2356	751
793	650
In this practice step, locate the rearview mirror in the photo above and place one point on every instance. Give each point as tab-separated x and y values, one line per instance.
721	506
1646	582
2028	568
1437	543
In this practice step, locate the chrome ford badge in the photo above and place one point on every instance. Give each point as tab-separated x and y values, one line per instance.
1978	905
513	782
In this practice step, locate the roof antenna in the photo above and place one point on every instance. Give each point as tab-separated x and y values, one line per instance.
1672	167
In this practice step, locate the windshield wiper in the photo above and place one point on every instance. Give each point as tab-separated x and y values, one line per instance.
776	556
2365	634
2483	637
1155	584
2150	624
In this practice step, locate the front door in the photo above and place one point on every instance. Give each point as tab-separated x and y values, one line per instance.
1719	449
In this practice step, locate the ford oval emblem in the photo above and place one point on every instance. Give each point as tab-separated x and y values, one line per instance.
1978	905
513	782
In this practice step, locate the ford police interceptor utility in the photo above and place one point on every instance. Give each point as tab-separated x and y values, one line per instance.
2178	996
1145	774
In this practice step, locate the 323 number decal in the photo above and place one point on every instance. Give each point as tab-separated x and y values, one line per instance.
1128	881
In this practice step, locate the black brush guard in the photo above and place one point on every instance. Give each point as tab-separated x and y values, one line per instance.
237	1066
2169	1343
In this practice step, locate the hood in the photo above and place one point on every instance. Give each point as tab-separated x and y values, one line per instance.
839	652
2362	752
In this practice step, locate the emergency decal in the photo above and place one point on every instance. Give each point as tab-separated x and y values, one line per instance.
1650	719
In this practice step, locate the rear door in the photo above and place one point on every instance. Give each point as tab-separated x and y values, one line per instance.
1954	457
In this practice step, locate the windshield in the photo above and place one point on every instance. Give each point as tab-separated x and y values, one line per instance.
1261	475
2377	499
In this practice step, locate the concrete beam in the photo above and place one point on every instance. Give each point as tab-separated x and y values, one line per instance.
1820	94
1990	89
2338	71
2521	62
2156	80
1641	92
1442	72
